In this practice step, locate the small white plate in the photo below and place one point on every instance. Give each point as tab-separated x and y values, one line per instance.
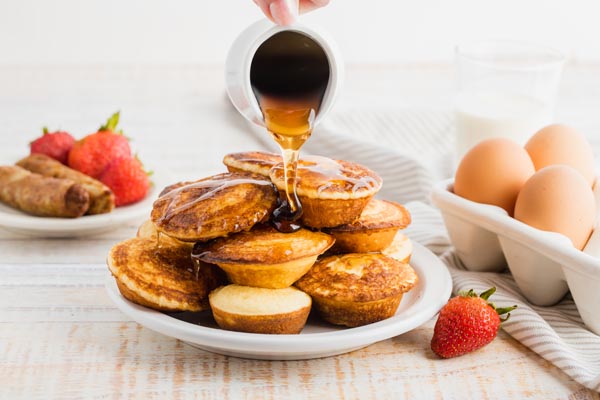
17	221
318	339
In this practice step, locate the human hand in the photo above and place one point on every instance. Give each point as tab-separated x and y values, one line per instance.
285	12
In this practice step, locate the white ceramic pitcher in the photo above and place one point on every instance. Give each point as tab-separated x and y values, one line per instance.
239	61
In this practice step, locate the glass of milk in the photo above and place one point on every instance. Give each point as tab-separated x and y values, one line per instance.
505	89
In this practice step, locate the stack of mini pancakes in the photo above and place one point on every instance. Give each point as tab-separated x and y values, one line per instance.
209	245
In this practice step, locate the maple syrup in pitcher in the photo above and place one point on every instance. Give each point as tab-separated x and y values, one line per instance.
289	75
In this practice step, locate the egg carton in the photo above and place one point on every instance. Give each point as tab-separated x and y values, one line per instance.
545	265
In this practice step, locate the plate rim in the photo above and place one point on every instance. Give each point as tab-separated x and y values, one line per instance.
438	288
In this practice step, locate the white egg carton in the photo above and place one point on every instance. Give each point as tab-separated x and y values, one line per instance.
545	265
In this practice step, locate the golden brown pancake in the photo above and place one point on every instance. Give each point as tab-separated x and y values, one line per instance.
374	230
264	257
215	206
161	277
258	162
215	277
401	248
357	289
260	310
332	192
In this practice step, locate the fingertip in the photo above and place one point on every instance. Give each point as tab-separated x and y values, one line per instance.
309	5
284	12
265	8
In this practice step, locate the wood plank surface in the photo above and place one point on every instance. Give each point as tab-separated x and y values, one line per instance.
62	338
60	335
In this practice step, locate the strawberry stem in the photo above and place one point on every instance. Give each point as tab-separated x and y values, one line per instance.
468	293
111	123
486	295
505	310
45	130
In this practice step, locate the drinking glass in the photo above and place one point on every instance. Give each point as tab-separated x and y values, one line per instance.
505	89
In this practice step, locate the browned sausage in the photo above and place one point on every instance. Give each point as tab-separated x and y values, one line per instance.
43	196
102	199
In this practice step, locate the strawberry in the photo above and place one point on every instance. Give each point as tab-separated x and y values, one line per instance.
53	144
467	323
127	179
92	154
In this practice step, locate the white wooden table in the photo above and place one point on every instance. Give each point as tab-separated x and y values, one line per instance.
60	336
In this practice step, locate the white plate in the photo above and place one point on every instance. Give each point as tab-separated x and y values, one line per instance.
16	221
318	339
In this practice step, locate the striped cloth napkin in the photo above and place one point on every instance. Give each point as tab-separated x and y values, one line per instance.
411	150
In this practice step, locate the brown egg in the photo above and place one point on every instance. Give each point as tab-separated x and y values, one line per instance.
560	144
493	172
558	199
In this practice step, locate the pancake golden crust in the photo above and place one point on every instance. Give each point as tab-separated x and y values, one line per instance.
259	310
264	257
357	289
332	192
258	162
215	206
354	314
374	230
318	213
162	278
378	214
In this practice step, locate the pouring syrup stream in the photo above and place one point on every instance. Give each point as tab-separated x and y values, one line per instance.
289	76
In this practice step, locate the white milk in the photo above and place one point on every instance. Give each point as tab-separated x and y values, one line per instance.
483	115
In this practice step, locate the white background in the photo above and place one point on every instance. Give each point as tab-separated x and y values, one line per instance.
83	32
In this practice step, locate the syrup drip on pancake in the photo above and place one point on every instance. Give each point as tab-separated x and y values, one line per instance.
158	234
196	270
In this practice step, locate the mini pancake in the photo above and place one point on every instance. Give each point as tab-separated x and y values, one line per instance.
215	206
260	310
161	277
332	192
374	230
400	249
216	277
264	257
357	289
258	162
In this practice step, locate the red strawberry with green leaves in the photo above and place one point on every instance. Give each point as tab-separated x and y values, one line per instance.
53	144
127	179
92	154
467	323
